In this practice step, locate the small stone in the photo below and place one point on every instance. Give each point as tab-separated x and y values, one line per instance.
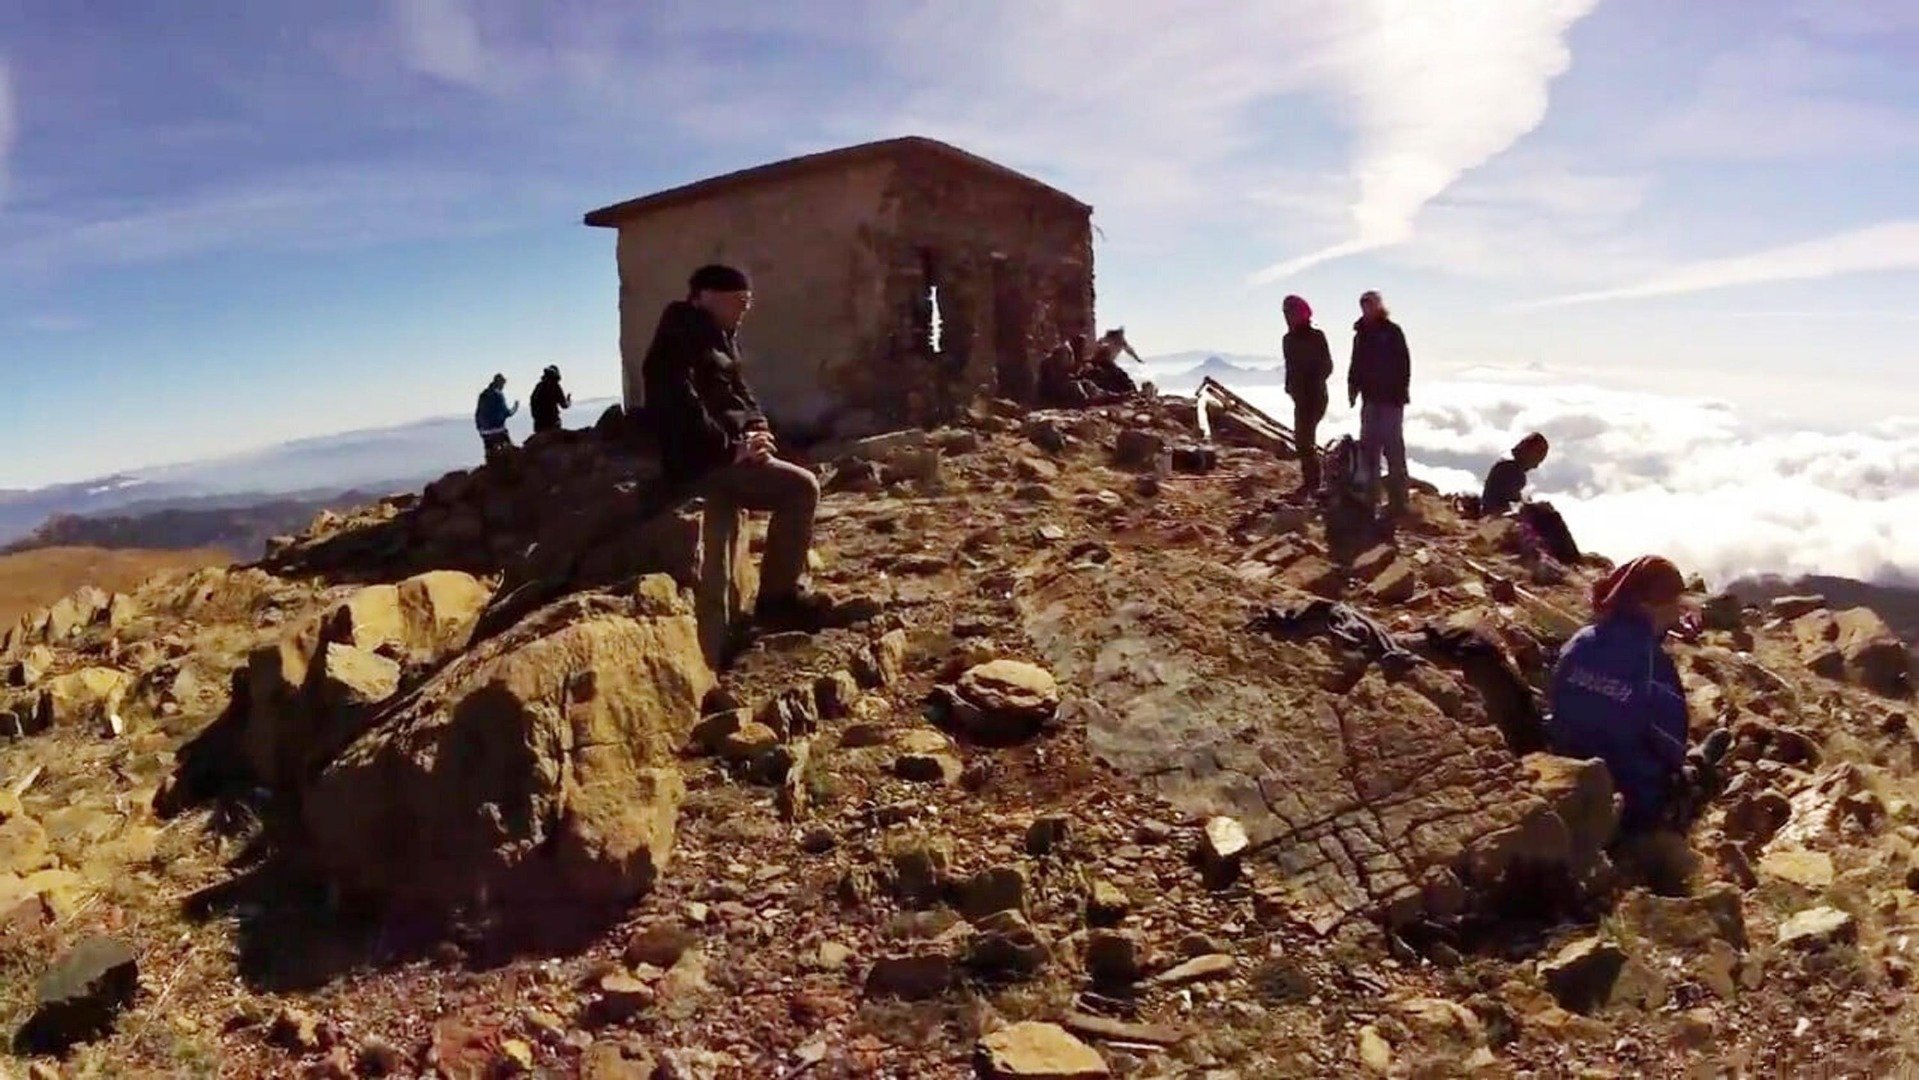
1106	904
516	1058
296	1030
1696	1029
1221	847
81	995
712	731
1581	975
833	956
1137	449
1397	583
923	973
621	997
926	757
1046	835
378	1057
883	662
1375	1053
835	694
660	945
1002	888
1792	607
818	840
1008	946
1108	1030
1718	969
860	736
1806	869
1037	1051
1816	928
1113	958
1198	969
1036	469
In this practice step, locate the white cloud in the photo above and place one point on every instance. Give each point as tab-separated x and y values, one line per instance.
441	38
1435	90
9	122
1692	479
1889	245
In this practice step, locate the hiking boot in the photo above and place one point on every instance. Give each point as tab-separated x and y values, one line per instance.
810	612
805	612
1713	750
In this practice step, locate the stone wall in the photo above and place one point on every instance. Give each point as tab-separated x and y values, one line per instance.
848	267
811	245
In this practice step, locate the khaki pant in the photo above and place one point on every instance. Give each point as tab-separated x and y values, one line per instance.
1382	433
791	494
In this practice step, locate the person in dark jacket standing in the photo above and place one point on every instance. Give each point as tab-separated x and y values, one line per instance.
715	441
1309	364
548	401
1380	382
490	417
1616	696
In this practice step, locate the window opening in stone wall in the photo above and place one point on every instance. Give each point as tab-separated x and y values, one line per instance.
938	335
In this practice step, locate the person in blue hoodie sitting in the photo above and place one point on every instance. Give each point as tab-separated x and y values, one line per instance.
490	417
1616	696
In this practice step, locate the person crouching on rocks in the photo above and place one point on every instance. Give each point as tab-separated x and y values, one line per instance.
1616	696
1505	492
715	441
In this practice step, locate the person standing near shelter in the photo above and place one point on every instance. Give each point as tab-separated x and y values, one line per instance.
1380	382
1309	365
548	401
715	440
490	417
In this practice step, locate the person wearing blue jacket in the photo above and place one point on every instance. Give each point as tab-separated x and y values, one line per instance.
1616	694
490	417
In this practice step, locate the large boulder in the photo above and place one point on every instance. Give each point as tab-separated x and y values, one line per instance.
313	691
541	761
1003	701
75	613
87	696
1581	793
1875	657
1856	646
1360	795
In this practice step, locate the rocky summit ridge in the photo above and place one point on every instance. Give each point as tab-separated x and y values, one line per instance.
1115	763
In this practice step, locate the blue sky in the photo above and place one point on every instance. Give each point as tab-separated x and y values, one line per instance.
243	222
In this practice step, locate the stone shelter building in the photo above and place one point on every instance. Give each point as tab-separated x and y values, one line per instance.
892	281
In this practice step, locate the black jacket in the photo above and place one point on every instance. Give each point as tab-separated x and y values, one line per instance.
1382	368
1505	487
547	402
1309	363
696	395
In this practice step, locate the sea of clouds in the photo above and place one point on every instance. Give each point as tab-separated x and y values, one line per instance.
1725	495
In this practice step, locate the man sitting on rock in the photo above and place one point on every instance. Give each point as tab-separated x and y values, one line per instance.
715	441
1616	696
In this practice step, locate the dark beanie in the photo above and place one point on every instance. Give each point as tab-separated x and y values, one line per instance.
716	277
